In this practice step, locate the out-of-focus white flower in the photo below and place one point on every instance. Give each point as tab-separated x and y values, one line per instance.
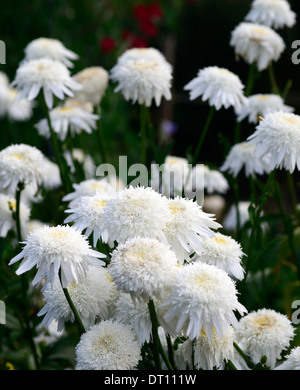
34	224
94	81
86	214
92	297
15	108
51	177
84	159
50	48
257	44
260	105
108	345
264	332
208	354
135	212
21	163
54	249
143	267
230	220
218	86
278	135
90	187
66	119
47	335
272	13
223	252
187	224
52	77
214	204
170	177
202	296
7	208
242	155
292	361
143	78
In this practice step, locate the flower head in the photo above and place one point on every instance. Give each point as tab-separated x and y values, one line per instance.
218	86
223	252
231	219
135	212
278	135
7	208
15	108
94	81
108	345
86	214
208	354
20	164
202	296
50	48
260	105
54	249
187	224
66	119
272	13
89	187
257	44
92	297
242	155
51	76
146	53
143	267
143	79
264	332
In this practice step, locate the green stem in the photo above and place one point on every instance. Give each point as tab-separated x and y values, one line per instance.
274	86
155	336
203	134
19	190
250	364
293	194
255	224
72	306
251	79
143	134
231	365
64	175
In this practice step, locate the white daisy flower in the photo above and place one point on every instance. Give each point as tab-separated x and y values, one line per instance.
136	314
90	187
292	361
86	215
230	219
92	297
143	267
242	155
108	345
223	252
57	249
264	332
259	105
16	109
202	296
278	135
50	48
20	164
94	81
52	77
52	177
272	13
142	80
208	354
186	225
146	53
218	86
257	44
66	119
7	222
170	177
135	212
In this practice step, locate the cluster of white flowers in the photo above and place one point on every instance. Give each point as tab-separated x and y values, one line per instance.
160	248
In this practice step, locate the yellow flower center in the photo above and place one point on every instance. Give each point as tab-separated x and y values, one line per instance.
176	208
65	108
220	240
99	203
263	322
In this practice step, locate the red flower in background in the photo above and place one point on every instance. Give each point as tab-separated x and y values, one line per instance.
133	39
107	44
147	16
